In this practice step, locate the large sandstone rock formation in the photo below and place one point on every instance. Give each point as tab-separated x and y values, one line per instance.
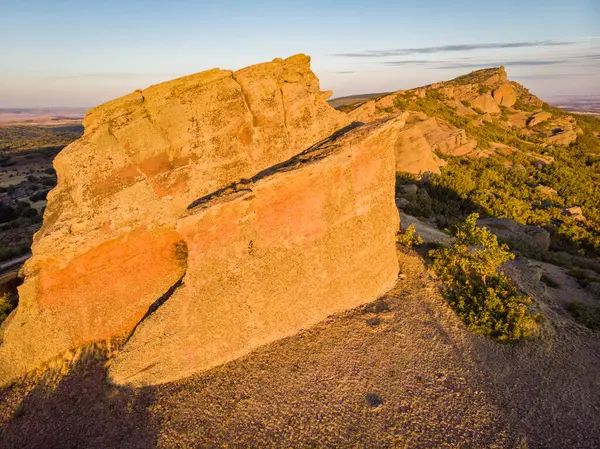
110	245
273	255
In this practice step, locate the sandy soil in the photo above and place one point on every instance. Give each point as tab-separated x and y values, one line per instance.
400	372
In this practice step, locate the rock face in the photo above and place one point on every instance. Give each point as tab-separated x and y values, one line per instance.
273	255
110	244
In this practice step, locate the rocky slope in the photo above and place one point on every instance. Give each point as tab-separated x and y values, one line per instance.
448	118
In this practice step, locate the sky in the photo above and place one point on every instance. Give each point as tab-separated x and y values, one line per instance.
83	53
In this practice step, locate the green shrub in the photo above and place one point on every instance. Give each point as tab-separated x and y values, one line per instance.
400	102
409	238
481	296
13	252
5	306
466	103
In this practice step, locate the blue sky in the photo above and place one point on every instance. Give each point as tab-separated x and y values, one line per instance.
82	53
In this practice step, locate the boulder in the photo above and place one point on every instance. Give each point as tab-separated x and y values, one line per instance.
427	231
565	137
537	118
505	95
545	190
574	212
528	236
110	246
402	203
273	255
409	189
485	103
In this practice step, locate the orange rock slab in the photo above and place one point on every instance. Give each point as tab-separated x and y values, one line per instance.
275	255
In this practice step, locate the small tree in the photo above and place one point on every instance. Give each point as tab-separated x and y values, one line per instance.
482	296
409	238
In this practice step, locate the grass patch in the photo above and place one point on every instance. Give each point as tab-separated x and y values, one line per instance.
588	316
549	281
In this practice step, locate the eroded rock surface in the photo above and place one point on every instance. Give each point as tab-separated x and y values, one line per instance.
415	147
276	254
110	246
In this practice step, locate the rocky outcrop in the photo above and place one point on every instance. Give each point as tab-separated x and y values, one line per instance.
562	137
538	117
110	245
273	255
518	235
414	152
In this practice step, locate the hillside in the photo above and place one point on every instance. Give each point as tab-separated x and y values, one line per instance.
221	264
494	148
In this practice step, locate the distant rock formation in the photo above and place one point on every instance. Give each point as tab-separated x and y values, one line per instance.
275	254
110	244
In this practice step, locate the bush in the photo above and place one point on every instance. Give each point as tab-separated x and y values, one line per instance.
7	213
180	251
37	196
408	237
13	252
5	306
482	297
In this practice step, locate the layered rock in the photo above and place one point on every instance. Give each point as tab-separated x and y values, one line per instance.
420	141
109	245
273	255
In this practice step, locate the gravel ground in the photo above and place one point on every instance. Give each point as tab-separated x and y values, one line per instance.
400	372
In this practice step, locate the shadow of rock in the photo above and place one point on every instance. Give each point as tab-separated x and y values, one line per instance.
80	410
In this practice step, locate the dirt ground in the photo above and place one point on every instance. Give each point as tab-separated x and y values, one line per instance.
399	372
